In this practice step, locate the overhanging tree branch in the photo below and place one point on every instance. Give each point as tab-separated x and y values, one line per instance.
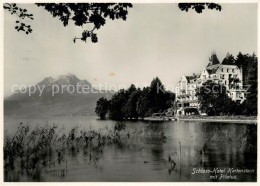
82	14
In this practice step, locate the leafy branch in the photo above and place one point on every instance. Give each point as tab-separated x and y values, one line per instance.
82	14
199	7
22	15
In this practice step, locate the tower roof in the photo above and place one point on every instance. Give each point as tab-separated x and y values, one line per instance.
213	59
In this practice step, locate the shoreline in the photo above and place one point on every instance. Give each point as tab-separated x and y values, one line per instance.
242	121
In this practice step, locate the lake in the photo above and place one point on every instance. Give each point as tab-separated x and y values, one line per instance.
202	151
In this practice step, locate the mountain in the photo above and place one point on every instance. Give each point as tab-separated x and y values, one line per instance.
61	96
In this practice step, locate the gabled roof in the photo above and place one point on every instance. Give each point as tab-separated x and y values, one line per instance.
190	78
212	69
213	60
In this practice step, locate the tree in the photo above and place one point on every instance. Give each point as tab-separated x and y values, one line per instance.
131	89
102	107
211	97
229	60
134	102
88	13
144	104
117	103
251	97
158	96
130	109
170	98
246	62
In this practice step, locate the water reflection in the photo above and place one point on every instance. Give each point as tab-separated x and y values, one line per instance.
152	152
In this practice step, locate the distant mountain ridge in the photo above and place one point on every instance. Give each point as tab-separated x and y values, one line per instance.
54	97
69	79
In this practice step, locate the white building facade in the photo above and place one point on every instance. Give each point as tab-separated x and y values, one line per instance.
228	75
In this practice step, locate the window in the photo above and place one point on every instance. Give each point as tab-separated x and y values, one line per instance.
225	82
222	70
222	76
233	70
227	69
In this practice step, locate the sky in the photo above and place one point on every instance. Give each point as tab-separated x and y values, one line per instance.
155	40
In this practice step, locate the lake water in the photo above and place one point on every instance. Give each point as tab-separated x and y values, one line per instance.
192	145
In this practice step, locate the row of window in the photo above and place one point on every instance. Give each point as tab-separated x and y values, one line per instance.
222	76
228	70
188	98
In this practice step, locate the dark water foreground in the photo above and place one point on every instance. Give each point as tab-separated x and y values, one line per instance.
139	151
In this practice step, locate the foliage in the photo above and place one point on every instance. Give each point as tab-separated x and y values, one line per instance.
119	126
251	98
46	148
22	15
117	103
95	14
246	62
87	13
143	104
155	132
81	14
249	66
102	107
131	104
134	103
199	7
229	60
32	150
156	95
211	97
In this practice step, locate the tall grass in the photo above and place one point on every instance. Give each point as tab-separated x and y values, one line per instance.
44	148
